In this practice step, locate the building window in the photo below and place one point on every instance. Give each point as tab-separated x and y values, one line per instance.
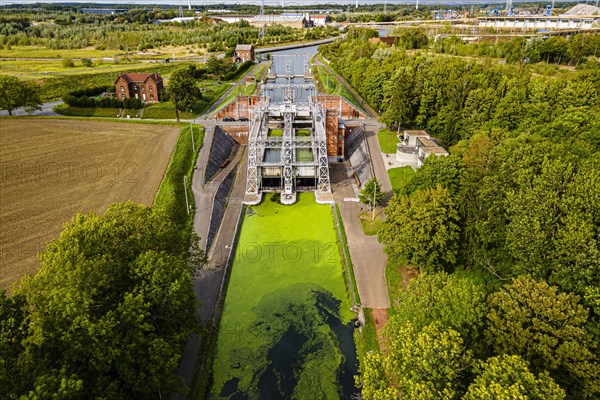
123	96
122	88
151	97
150	88
134	88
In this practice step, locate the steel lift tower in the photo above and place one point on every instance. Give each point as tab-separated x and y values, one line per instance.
274	162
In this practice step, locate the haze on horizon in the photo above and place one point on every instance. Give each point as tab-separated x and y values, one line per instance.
286	3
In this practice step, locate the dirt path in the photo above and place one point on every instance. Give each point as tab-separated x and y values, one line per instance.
380	318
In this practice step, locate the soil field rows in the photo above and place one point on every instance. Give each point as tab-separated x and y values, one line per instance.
52	169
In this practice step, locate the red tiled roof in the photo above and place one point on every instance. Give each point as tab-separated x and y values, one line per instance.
140	77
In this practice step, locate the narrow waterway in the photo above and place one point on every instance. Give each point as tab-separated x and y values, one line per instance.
287	329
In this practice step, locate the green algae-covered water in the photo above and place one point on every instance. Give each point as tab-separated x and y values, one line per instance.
286	329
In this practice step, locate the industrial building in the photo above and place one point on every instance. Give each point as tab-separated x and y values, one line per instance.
545	22
291	20
287	145
415	147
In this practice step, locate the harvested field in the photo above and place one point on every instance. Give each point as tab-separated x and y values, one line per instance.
51	169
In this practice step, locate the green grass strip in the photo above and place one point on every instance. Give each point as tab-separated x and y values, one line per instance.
387	141
346	250
171	193
399	177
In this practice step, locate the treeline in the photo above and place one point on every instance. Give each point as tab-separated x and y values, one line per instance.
454	98
92	97
79	31
504	232
571	50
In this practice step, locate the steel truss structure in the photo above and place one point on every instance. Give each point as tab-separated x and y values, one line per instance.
289	111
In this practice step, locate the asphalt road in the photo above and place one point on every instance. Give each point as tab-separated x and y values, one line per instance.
368	258
45	111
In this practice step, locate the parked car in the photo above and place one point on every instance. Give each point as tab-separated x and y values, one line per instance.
228	119
243	119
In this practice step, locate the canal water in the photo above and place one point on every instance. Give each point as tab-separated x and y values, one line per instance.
287	331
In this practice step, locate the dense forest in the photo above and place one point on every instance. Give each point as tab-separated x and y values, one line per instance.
108	313
504	231
455	98
570	50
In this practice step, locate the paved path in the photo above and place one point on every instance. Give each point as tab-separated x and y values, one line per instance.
368	259
45	111
217	103
208	284
377	158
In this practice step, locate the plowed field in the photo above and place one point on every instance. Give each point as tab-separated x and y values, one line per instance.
51	169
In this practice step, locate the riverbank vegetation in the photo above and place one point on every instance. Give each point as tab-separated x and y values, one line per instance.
504	232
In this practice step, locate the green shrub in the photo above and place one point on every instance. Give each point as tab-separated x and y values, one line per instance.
67	62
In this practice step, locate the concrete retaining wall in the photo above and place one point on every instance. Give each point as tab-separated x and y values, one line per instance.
220	150
219	204
357	151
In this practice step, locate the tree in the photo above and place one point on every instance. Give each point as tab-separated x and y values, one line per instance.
183	90
546	328
412	38
420	364
86	62
110	308
373	380
67	62
220	66
398	99
422	229
508	377
56	385
445	171
13	331
371	193
536	213
15	93
446	300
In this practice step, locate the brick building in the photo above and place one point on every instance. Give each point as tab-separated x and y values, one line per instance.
146	87
387	40
244	52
